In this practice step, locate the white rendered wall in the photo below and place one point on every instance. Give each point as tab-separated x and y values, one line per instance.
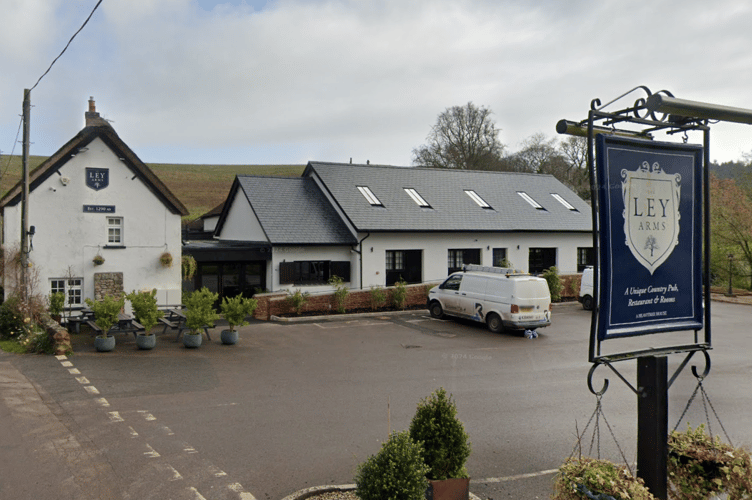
67	238
435	248
241	224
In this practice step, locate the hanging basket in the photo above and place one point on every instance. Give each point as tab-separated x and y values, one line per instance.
166	259
577	477
98	260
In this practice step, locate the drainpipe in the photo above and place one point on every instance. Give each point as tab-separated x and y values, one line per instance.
360	253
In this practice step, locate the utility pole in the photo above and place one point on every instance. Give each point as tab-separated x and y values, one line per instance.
25	199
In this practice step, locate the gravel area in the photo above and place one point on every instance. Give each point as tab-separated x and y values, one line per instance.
335	495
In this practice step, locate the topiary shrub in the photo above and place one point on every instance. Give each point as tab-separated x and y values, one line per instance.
551	275
396	472
445	442
599	478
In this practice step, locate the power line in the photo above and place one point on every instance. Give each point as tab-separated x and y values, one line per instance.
66	46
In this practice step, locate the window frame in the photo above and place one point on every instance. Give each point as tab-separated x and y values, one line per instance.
564	202
417	198
69	285
119	228
370	197
530	200
478	200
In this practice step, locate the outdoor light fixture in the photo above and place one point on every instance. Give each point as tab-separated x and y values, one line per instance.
569	127
693	109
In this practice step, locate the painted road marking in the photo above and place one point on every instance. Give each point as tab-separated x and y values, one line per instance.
147	415
133	432
190	449
74	371
83	380
103	402
66	363
198	495
91	389
115	416
152	453
238	488
61	357
514	478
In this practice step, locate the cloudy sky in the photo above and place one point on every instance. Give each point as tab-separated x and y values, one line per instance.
287	81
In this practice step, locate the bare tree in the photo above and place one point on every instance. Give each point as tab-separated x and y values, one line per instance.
464	137
574	150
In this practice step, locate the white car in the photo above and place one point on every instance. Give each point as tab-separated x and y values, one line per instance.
586	289
502	298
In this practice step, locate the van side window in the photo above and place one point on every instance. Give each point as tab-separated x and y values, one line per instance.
452	283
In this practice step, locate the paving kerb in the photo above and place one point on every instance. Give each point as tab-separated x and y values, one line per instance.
320	490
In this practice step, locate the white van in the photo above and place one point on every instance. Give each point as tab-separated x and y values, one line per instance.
586	289
502	298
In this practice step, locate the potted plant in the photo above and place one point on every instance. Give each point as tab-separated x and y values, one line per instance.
98	260
397	471
57	302
583	478
235	310
445	446
700	467
199	313
145	310
166	259
105	315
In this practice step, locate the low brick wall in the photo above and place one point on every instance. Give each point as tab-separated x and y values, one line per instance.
275	304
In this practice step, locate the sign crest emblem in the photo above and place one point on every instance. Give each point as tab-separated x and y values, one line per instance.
651	213
97	178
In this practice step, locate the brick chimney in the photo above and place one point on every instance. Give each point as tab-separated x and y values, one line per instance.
92	117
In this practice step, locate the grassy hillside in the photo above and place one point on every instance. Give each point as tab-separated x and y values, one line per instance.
199	187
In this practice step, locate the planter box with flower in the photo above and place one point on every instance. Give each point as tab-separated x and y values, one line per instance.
145	310
106	313
235	310
199	313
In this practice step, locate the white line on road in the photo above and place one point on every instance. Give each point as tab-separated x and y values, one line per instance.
515	478
103	402
198	495
152	453
115	416
82	380
74	371
91	389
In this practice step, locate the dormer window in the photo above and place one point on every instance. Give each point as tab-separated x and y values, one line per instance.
417	198
530	200
477	199
564	202
369	196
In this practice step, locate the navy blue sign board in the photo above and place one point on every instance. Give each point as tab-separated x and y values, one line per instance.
650	237
97	178
99	209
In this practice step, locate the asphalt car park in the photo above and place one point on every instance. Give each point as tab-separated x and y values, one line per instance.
298	405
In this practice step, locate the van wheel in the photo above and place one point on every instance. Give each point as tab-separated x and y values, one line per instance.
494	323
587	303
436	310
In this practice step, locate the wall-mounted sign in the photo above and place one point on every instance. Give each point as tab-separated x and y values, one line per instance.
650	235
97	178
99	209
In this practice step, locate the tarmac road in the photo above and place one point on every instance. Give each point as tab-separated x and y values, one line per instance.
300	405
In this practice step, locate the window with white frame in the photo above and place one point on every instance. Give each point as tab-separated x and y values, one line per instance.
417	198
369	196
115	231
564	202
530	200
71	287
477	199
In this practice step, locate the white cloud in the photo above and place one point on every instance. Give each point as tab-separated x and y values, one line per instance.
287	81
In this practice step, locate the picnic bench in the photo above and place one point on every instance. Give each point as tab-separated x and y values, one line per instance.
174	318
125	324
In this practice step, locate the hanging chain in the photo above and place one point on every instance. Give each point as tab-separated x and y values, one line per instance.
705	403
595	440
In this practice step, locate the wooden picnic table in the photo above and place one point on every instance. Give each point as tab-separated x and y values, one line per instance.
125	324
174	317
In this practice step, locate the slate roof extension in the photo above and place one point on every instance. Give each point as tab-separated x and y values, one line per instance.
292	211
451	208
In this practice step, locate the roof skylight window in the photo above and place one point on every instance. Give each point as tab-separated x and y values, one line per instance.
417	198
530	200
564	202
477	199
369	196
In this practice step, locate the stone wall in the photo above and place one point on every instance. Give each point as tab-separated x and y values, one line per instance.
107	284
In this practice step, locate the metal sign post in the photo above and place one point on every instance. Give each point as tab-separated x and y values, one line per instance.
651	231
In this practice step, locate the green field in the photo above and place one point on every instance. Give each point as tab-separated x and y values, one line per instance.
199	187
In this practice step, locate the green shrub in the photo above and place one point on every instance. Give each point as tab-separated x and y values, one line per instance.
445	442
397	472
11	319
106	311
57	302
199	310
399	294
340	293
377	298
600	477
145	310
551	275
236	309
38	341
296	300
188	267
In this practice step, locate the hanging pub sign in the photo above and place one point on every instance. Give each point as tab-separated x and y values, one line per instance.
650	236
97	178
